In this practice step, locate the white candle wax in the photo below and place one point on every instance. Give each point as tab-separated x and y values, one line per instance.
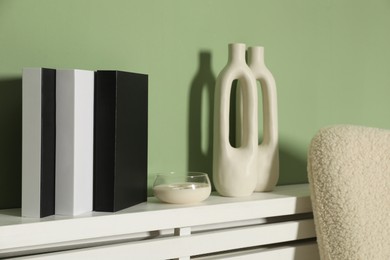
182	193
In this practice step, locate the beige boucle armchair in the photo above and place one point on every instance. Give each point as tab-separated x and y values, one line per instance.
349	176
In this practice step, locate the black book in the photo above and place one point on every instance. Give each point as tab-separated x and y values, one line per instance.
38	142
120	140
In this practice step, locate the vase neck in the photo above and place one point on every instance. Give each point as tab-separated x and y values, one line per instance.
237	52
256	55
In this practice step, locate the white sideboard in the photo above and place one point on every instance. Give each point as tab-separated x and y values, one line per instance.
273	225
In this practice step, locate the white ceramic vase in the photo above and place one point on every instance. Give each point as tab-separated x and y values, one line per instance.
268	152
235	169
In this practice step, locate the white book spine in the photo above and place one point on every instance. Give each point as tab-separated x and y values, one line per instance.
31	142
74	141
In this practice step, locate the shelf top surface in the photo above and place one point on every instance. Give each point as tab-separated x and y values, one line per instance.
285	193
19	233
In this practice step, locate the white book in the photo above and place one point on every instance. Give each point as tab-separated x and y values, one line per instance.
38	142
74	142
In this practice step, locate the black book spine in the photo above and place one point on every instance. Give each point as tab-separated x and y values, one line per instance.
48	142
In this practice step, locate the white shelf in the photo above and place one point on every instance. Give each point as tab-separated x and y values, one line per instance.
25	235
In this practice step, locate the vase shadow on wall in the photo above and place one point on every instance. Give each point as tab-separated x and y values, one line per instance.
201	117
10	142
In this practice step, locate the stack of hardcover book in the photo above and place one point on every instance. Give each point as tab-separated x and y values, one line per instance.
84	141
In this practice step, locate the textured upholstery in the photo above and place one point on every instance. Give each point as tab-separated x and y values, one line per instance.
349	176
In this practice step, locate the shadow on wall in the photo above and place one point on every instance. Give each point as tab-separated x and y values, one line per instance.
201	117
292	167
10	142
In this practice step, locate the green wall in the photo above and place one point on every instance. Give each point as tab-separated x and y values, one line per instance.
330	59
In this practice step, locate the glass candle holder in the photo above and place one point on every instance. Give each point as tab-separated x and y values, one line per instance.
177	188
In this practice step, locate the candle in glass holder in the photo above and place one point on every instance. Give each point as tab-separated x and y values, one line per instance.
178	189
